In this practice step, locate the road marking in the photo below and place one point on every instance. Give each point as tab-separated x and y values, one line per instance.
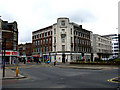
111	80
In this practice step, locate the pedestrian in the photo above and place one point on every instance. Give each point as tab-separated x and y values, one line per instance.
39	61
28	60
24	60
48	61
54	63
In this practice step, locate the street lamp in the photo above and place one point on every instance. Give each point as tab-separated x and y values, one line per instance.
3	55
3	61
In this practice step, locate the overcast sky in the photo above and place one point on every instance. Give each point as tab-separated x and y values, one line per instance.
98	16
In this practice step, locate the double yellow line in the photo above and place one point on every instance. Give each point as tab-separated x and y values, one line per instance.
111	80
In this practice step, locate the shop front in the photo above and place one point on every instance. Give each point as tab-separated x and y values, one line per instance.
10	56
36	58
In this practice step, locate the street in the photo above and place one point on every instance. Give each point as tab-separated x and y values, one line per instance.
54	77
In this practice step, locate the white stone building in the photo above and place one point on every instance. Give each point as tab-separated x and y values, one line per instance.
62	42
102	47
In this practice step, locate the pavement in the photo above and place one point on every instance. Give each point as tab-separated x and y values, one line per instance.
11	74
91	67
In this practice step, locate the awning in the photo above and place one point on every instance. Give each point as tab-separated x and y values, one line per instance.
35	55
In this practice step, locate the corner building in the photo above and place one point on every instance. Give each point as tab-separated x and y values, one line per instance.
62	42
9	31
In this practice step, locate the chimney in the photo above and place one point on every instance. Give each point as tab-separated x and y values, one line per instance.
81	26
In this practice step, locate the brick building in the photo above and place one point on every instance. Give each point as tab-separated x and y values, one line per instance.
63	41
25	51
9	32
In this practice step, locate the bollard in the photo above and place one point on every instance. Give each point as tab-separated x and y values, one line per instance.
16	71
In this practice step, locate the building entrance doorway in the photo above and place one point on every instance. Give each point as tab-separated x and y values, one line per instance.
63	58
7	60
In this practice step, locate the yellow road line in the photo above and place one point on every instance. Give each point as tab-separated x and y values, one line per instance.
111	80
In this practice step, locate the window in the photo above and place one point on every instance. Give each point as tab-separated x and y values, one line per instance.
63	47
116	50
54	31
47	33
54	48
82	41
71	40
43	35
80	48
115	43
116	47
40	35
38	42
41	49
63	39
49	48
43	41
71	48
15	36
38	49
80	34
47	40
0	35
63	30
54	39
75	40
14	46
51	33
78	40
71	30
115	38
46	49
76	33
63	23
32	36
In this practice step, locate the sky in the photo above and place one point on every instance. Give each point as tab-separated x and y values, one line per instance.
98	16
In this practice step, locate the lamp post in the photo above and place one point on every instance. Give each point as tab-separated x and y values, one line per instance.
4	47
3	54
119	29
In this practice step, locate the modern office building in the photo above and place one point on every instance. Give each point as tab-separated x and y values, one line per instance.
9	32
102	47
63	41
119	41
115	45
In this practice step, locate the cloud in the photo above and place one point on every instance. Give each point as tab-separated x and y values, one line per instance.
82	16
32	15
